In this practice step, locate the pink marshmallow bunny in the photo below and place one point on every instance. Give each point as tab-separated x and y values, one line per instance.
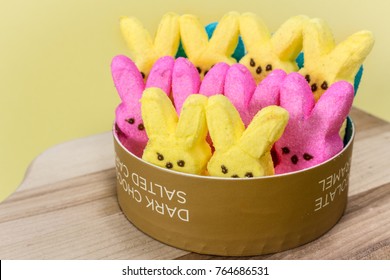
130	85
186	81
241	90
312	133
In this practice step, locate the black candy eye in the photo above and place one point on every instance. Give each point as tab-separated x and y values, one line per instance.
130	121
307	77
258	70
143	75
160	157
141	126
268	67
169	165
224	169
285	150
205	72
199	69
294	159
181	163
249	174
324	85
252	63
235	176
313	87
307	156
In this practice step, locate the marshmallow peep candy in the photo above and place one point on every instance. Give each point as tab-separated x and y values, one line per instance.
266	52
241	152
312	134
175	143
143	49
130	85
247	98
326	63
201	51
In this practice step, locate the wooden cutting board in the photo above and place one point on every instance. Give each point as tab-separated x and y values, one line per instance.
66	208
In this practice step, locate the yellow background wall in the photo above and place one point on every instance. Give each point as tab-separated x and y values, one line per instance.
55	82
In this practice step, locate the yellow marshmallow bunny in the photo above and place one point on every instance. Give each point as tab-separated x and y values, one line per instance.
175	143
325	62
241	152
266	52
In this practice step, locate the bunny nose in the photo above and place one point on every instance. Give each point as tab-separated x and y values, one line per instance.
169	165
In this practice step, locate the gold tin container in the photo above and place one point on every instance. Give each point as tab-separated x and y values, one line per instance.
233	217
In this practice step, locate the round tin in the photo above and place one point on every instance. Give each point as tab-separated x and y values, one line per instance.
233	217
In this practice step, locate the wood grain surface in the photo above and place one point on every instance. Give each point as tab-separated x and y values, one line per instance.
66	208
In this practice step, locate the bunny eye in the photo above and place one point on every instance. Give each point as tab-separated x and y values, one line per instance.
249	174
141	126
181	163
252	62
143	75
224	169
205	72
268	67
160	157
307	156
285	150
130	121
314	87
294	159
258	70
324	85
307	77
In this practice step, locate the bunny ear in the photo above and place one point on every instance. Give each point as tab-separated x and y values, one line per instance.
185	81
267	92
127	79
192	126
296	97
264	130
253	31
193	35
347	57
239	88
332	108
137	39
239	52
158	114
214	81
161	74
287	40
224	122
317	40
225	35
167	39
